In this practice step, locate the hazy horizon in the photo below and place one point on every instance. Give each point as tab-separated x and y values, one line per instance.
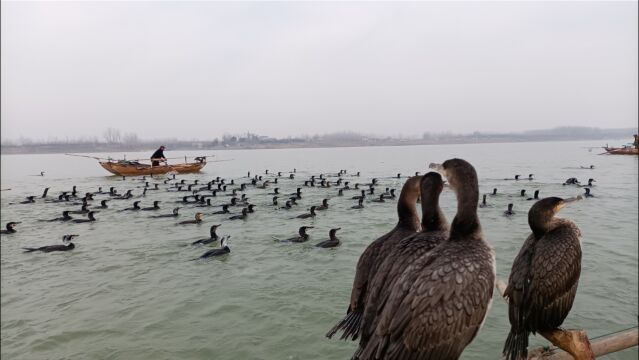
205	69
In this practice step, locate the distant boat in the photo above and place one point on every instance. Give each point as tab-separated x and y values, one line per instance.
135	168
630	149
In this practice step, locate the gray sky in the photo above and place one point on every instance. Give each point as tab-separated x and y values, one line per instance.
203	69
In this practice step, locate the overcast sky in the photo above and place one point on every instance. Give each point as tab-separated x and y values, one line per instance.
203	69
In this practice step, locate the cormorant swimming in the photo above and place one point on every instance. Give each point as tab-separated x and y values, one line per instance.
360	204
324	205
535	197
174	214
571	181
198	220
10	227
333	241
65	217
483	202
510	210
90	217
308	215
242	216
544	276
50	248
302	237
587	193
155	206
209	240
225	210
223	249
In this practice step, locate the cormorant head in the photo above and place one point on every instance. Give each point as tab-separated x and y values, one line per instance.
523	192
68	238
175	210
510	207
516	177
543	211
332	232
12	225
459	173
431	185
302	230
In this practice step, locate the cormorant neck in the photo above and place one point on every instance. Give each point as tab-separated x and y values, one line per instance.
466	221
406	211
433	218
541	223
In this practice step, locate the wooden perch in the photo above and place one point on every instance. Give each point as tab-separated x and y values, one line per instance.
574	342
617	342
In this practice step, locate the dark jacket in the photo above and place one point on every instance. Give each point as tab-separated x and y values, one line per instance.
159	153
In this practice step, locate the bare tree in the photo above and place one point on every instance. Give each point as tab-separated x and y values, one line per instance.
130	139
112	136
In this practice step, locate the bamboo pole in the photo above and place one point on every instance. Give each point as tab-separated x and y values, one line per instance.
611	344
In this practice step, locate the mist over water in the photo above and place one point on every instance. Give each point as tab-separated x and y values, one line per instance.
129	290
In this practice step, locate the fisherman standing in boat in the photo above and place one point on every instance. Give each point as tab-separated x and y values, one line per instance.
158	156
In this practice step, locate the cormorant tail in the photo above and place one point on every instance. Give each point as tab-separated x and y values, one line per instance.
516	346
349	325
29	249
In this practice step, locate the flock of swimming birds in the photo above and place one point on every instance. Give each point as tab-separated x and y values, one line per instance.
422	290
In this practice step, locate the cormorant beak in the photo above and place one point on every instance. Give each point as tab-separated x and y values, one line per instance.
437	167
567	201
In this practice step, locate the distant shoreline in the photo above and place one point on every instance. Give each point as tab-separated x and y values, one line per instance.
199	146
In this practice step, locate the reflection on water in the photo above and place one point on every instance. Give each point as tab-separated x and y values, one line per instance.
129	289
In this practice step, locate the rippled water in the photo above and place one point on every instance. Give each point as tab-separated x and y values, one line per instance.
130	291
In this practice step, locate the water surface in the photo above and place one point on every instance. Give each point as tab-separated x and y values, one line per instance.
130	291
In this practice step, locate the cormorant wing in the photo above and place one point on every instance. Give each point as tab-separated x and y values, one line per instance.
557	267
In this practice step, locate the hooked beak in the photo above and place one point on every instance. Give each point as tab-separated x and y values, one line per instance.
567	201
436	167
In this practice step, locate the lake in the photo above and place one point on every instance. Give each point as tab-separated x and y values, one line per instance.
129	290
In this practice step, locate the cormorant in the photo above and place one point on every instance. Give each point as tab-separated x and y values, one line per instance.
50	248
10	227
544	276
333	241
441	311
408	223
209	240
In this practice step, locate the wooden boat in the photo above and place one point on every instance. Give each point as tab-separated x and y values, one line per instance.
626	150
630	149
134	168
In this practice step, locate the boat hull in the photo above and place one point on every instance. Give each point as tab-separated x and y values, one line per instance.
622	151
144	169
